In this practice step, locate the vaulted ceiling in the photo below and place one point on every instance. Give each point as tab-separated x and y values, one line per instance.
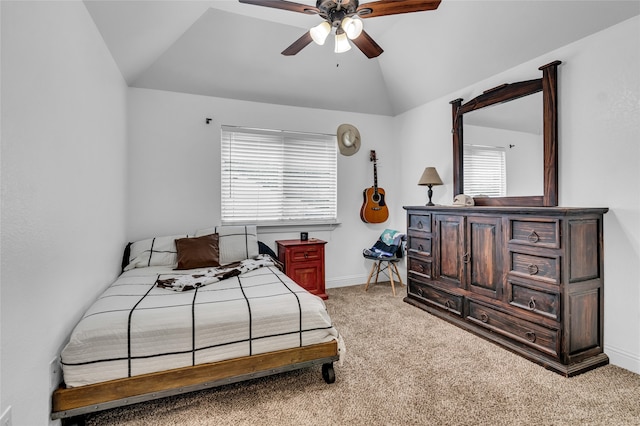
227	49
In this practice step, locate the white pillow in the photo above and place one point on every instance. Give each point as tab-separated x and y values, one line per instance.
236	242
157	251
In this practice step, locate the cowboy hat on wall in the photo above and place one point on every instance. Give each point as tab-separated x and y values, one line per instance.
348	139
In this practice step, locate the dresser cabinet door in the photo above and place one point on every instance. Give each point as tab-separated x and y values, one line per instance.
483	259
450	256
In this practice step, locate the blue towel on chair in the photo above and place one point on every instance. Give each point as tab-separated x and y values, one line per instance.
387	245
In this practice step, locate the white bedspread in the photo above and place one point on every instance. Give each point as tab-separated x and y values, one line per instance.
136	327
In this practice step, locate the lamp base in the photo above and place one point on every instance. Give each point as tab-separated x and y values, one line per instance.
430	194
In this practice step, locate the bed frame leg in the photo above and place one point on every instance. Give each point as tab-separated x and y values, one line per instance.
328	374
73	421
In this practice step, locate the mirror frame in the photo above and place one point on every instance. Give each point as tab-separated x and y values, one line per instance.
548	84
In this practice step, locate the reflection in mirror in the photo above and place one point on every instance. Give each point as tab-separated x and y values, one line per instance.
503	149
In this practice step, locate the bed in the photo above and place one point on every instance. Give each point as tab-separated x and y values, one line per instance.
190	313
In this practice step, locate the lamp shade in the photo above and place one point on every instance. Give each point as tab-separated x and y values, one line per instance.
320	32
352	27
430	176
342	43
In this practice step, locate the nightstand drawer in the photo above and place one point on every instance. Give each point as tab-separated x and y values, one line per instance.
305	253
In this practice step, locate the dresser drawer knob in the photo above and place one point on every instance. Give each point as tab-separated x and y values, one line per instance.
533	237
532	304
531	336
466	257
484	318
447	304
420	225
533	269
306	255
420	267
420	248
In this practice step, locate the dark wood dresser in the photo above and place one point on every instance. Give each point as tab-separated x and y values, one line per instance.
527	278
304	263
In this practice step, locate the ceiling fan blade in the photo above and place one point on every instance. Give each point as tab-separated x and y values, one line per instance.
368	46
284	5
394	7
298	45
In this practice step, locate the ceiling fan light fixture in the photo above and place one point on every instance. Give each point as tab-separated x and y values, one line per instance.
352	27
342	43
320	32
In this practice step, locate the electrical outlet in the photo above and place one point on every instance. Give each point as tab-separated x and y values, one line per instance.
55	375
5	420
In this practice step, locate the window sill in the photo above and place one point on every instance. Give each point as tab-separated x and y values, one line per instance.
276	228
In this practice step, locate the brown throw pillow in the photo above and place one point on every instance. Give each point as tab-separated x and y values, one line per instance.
198	252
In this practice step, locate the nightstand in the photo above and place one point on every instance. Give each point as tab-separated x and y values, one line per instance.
304	263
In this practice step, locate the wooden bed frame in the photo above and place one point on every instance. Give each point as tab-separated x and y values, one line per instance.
71	404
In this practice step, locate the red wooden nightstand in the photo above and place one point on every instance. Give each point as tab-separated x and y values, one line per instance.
304	263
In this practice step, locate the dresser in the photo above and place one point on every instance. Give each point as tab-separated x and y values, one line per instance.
527	278
304	263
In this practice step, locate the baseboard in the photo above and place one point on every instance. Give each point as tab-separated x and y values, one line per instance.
623	359
350	280
346	281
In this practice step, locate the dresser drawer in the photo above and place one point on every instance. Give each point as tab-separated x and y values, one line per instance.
419	266
420	245
545	303
528	333
305	253
420	222
436	297
538	233
540	268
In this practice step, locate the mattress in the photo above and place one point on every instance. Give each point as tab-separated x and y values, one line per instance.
136	327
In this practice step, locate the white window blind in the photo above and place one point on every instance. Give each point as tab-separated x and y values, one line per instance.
278	177
485	171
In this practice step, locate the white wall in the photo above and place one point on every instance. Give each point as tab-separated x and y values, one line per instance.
63	185
599	130
174	178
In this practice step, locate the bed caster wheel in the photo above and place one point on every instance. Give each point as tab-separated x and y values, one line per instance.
328	374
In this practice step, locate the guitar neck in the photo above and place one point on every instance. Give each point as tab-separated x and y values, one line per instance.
375	177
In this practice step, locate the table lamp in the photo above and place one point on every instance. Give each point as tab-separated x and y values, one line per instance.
430	178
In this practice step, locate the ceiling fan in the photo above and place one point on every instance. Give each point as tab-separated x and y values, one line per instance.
344	16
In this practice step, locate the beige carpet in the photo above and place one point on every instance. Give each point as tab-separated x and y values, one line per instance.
403	367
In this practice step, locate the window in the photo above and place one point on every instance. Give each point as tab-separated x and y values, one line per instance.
485	171
277	177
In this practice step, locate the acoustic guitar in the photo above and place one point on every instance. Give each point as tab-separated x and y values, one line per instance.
374	209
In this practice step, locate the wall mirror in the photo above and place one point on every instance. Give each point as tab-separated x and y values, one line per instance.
514	128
